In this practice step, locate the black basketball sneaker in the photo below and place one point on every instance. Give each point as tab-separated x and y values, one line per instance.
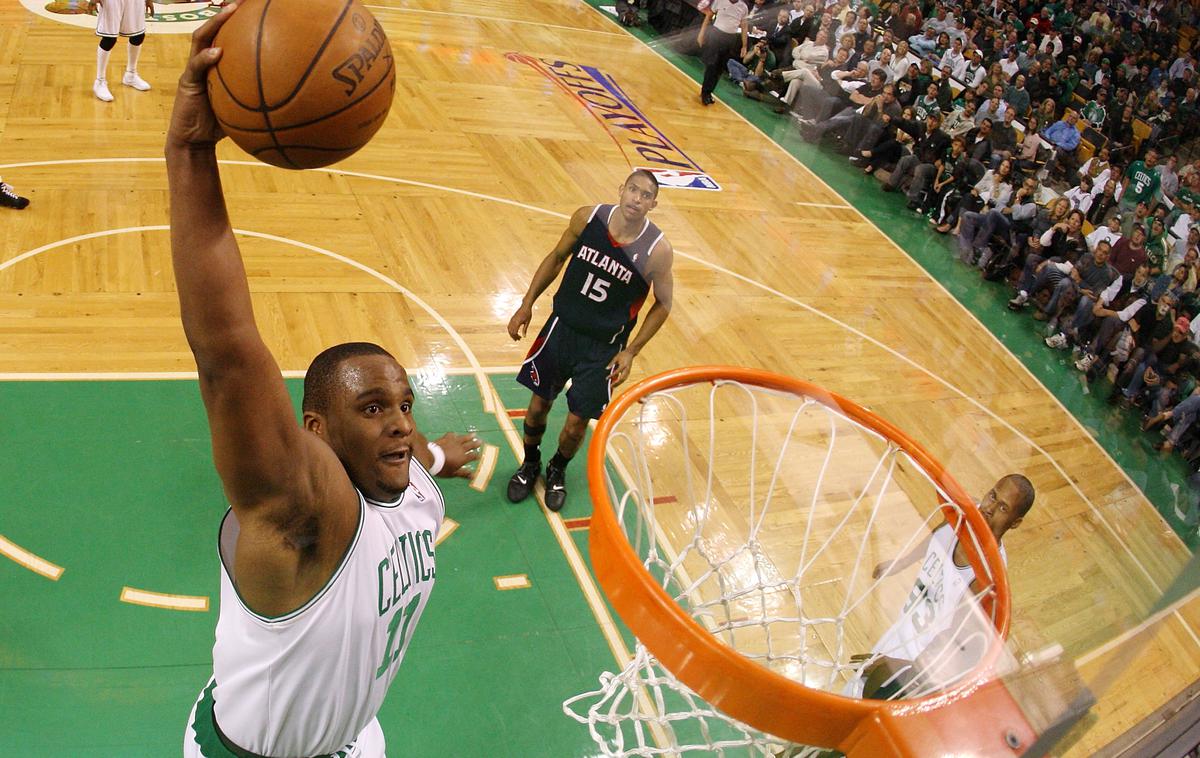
10	199
522	482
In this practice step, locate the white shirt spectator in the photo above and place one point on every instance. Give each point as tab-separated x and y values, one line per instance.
729	15
1102	234
809	54
1079	199
1051	43
1179	230
1100	179
1181	64
1009	67
952	60
993	192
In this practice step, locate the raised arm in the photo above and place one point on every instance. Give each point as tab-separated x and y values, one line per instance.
887	568
258	447
547	271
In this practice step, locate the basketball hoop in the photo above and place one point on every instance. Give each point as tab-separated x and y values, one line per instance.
734	512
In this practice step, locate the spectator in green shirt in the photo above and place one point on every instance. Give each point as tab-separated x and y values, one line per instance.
1141	182
1096	110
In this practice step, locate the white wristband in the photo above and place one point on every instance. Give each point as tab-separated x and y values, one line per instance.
439	458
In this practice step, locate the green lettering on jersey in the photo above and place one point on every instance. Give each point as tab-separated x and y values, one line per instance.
401	620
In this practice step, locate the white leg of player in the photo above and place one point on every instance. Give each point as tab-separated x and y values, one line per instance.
131	78
100	86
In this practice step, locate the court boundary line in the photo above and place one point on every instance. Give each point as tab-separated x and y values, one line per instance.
147	376
1054	462
485	392
495	18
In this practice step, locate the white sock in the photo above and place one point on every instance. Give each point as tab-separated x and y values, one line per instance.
135	52
102	63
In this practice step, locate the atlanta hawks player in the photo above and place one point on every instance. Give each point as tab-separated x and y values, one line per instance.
614	256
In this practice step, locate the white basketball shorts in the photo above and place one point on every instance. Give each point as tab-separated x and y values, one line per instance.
124	18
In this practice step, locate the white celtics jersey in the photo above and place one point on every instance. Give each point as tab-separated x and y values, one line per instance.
933	605
308	683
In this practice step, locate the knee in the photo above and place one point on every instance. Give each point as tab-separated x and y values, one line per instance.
108	43
575	427
137	39
539	408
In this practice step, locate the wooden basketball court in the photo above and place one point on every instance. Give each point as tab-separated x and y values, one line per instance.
426	240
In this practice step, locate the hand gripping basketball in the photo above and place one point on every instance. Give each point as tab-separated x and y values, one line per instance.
192	121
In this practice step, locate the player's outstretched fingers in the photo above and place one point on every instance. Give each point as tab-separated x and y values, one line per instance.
460	449
200	58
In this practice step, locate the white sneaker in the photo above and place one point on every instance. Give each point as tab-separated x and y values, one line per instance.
131	79
100	90
1056	341
1085	363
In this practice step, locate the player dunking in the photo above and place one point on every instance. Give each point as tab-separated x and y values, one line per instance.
930	641
124	18
614	256
327	551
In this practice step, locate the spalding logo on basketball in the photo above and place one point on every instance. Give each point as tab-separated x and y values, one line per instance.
302	83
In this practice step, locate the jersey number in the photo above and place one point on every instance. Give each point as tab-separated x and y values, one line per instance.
396	642
595	288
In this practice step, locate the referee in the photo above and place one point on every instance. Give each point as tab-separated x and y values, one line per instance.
719	44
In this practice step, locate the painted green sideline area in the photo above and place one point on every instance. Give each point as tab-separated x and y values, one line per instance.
1159	476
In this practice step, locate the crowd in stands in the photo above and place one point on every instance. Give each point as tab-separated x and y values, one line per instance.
1042	134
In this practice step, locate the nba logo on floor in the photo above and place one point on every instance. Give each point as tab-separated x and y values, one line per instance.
697	180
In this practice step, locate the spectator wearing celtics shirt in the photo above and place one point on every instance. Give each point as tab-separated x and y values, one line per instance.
929	644
1142	182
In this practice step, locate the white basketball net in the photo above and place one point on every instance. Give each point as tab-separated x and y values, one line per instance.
763	514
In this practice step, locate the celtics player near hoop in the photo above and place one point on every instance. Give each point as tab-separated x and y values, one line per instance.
614	256
934	640
327	550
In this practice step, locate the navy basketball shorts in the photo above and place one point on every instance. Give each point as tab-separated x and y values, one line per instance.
560	353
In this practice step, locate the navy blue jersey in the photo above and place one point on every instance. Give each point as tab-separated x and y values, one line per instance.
605	283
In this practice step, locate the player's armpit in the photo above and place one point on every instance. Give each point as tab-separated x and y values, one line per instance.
263	456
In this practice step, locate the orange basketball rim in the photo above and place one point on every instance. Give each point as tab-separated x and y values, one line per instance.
976	717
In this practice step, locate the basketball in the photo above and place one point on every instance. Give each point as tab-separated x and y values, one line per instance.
302	83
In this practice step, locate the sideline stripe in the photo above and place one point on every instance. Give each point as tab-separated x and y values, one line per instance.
135	596
138	376
494	18
449	526
575	524
34	563
841	206
1069	480
485	468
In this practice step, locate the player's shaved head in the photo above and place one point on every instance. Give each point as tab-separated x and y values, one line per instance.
645	175
1025	492
320	380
